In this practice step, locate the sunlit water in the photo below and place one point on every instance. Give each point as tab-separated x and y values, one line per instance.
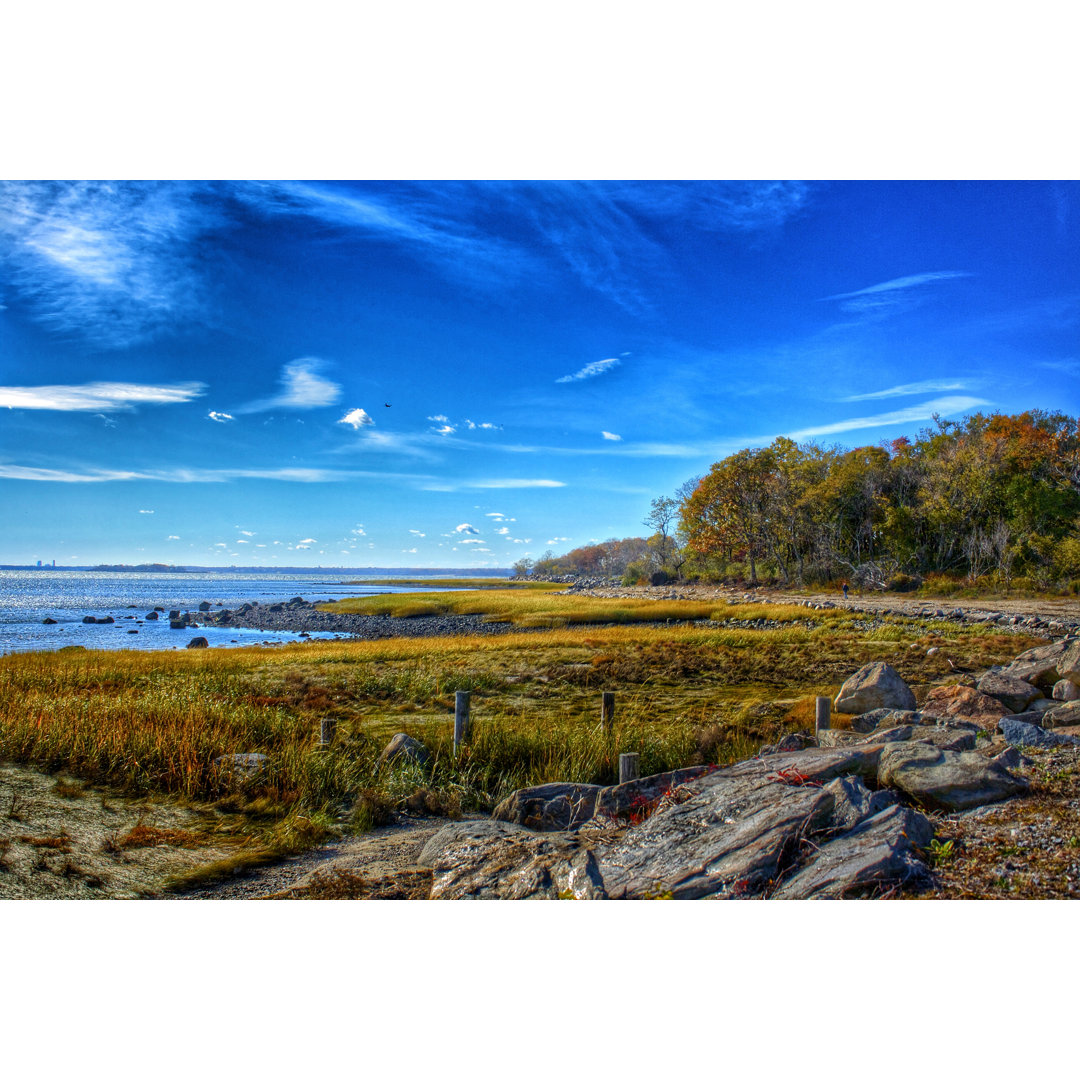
27	598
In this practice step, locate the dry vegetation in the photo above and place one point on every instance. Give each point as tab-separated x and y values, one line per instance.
151	725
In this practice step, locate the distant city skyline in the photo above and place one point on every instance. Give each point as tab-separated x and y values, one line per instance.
432	374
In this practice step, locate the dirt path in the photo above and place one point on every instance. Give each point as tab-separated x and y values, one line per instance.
380	864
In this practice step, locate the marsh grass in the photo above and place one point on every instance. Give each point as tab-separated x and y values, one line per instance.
156	723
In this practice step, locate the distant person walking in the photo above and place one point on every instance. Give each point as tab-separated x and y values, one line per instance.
844	587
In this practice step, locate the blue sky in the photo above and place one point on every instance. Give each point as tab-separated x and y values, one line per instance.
462	374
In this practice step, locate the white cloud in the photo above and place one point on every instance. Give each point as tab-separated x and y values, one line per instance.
98	396
902	283
446	429
220	417
612	437
558	540
172	537
302	387
309	540
408	551
927	386
485	426
516	484
358	531
438	418
944	406
464	527
470	541
356	419
495	514
245	532
590	371
417	532
146	511
504	531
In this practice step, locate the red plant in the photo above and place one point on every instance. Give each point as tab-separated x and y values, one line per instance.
792	777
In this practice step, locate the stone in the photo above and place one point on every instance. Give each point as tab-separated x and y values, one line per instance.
89	619
48	622
247	765
178	624
946	779
198	643
1062	715
152	615
1066	690
734	830
403	747
877	855
205	605
876	718
874	686
174	614
1015	694
636	799
549	807
1009	758
1039	665
498	860
1017	733
854	802
956	700
1068	666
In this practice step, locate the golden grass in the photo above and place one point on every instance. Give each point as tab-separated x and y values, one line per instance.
551	606
155	723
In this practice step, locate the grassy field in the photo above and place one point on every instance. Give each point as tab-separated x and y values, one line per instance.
152	725
549	605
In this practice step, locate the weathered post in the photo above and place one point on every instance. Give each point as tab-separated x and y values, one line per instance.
821	714
326	732
607	712
628	767
461	717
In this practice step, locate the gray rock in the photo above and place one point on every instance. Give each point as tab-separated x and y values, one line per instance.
946	779
878	854
403	747
198	643
152	616
175	614
89	619
1017	733
498	860
48	621
735	829
1015	694
549	807
636	799
1062	715
1068	666
205	605
875	718
1066	690
854	802
1009	758
1038	665
178	624
874	686
246	765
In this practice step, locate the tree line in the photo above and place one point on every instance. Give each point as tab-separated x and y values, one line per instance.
992	498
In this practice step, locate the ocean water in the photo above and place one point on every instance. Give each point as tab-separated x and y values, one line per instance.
28	597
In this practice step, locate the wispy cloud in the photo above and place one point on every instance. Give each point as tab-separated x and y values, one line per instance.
611	436
927	386
220	417
302	387
590	371
464	527
496	484
356	419
945	406
98	397
201	476
112	262
891	297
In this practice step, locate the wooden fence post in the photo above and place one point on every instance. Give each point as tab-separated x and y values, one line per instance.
326	732
461	717
607	712
628	767
821	714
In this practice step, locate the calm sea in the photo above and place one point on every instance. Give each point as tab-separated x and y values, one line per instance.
27	598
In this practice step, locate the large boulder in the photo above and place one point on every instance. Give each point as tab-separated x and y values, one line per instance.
1015	694
549	807
883	718
1066	690
1068	667
401	748
964	702
636	799
946	779
198	643
1039	665
498	860
874	686
878	854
